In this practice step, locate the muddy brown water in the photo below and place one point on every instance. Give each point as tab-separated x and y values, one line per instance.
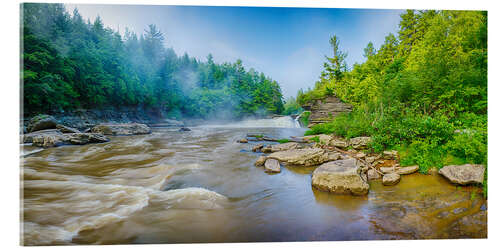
202	186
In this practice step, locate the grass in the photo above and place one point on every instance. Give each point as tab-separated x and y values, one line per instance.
315	139
283	140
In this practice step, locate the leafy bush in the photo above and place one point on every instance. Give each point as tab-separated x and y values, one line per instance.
304	118
348	125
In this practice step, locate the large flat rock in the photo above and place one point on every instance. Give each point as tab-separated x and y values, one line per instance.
464	174
121	129
303	157
342	177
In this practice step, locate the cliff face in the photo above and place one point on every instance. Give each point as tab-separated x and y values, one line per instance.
325	110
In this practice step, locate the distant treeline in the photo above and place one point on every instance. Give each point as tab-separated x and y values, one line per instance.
423	92
69	63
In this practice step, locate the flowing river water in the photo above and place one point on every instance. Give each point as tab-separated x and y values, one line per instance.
202	186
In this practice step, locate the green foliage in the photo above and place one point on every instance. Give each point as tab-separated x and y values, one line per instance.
315	139
291	107
423	92
304	118
348	125
283	140
69	63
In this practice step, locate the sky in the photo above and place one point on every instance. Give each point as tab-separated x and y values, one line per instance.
287	44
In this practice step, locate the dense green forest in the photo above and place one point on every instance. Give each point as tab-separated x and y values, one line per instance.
69	63
423	92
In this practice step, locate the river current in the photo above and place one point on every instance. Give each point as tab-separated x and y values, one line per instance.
202	186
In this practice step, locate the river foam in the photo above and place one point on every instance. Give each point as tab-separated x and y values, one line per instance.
277	122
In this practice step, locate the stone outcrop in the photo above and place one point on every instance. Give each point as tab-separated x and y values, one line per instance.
326	109
280	147
464	174
373	175
41	122
260	161
257	147
304	157
360	142
121	129
53	138
407	170
342	177
272	166
391	179
65	129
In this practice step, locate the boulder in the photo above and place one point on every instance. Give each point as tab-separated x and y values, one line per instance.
333	156
360	142
54	137
47	140
370	159
339	143
387	170
261	161
121	129
464	174
41	122
28	138
407	170
244	140
257	147
65	129
391	179
272	166
390	155
280	147
360	155
303	157
85	138
342	176
373	175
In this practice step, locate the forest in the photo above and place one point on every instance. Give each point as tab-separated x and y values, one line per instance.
423	92
69	63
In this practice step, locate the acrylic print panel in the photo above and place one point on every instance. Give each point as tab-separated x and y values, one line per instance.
187	124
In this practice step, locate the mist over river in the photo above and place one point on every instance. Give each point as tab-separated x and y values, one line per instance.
202	186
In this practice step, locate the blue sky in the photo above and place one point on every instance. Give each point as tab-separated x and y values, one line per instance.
287	44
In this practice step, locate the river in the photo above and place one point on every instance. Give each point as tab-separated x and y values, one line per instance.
202	186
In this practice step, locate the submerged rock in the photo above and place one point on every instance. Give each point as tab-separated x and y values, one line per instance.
391	179
303	157
272	166
65	129
407	170
121	129
464	174
41	122
280	147
257	148
85	138
244	140
342	176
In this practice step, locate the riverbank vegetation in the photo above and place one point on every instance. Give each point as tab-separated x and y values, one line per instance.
423	92
69	63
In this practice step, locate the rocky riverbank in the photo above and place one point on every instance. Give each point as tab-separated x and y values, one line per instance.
347	166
